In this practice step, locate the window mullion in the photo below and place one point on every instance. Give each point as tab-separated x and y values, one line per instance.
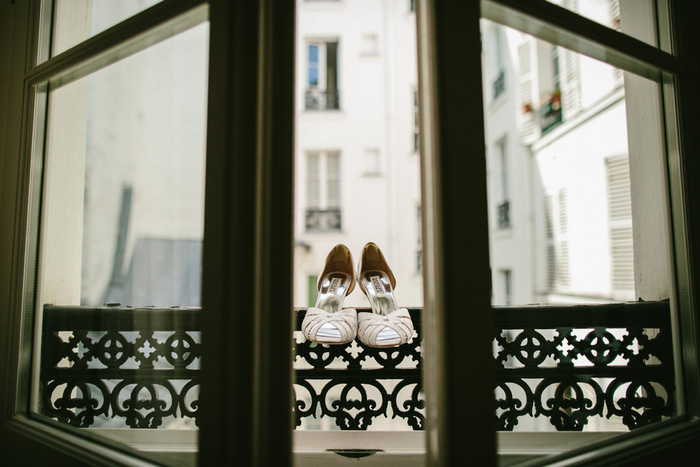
562	27
247	253
459	373
130	36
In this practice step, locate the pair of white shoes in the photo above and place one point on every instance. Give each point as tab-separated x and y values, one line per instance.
328	323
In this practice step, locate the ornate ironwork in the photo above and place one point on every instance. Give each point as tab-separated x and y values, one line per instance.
138	368
355	384
550	113
572	363
318	99
117	366
323	219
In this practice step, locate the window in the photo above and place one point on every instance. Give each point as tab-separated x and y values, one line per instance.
419	238
503	207
416	123
499	82
323	191
248	220
506	286
322	76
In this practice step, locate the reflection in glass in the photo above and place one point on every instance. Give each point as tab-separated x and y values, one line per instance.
558	172
77	20
121	241
564	231
627	16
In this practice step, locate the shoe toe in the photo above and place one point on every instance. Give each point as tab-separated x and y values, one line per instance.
328	333
388	336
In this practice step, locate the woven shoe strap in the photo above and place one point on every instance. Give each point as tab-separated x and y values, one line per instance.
345	320
371	324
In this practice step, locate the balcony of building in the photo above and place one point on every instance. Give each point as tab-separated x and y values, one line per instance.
134	373
322	99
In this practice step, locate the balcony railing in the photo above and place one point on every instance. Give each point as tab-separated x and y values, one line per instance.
139	368
323	219
499	84
550	113
504	215
317	99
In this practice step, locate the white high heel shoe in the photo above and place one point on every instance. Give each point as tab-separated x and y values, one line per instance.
387	325
327	322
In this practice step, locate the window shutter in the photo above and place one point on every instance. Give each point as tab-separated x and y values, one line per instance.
333	180
563	212
551	268
528	93
563	275
549	215
571	83
313	194
614	6
620	216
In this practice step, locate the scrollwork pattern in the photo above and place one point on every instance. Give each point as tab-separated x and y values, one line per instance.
563	364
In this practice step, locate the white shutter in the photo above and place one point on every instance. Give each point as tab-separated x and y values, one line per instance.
614	8
571	83
620	216
313	195
563	212
549	215
551	268
563	275
528	92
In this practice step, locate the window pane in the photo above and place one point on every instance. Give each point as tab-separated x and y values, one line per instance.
608	13
371	189
313	65
571	227
78	20
121	245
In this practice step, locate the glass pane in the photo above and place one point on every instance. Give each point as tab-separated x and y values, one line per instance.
121	247
621	15
77	20
576	202
366	114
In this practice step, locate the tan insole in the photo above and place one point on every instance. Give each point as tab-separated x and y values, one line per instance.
379	292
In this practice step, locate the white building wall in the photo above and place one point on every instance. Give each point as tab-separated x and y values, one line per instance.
568	161
376	79
510	247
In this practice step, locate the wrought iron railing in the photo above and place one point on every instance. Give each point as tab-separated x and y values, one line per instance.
504	215
138	368
550	114
318	99
323	219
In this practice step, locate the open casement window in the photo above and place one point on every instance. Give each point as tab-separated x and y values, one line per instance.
322	75
112	185
134	149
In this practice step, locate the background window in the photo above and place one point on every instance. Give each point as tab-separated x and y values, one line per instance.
323	191
322	76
